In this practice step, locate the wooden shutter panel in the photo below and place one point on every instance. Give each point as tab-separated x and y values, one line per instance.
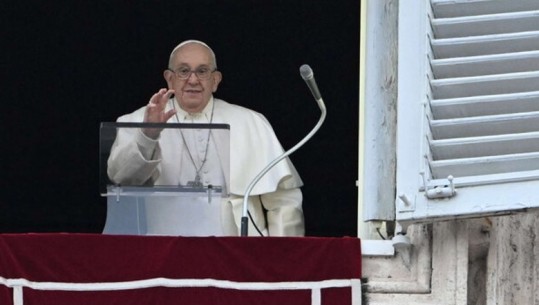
479	122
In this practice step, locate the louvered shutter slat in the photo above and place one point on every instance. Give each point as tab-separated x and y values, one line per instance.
501	164
486	24
485	125
485	105
485	45
485	65
459	8
485	146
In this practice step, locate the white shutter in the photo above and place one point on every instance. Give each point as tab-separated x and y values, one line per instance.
468	108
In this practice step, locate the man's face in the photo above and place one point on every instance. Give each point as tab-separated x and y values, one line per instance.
192	93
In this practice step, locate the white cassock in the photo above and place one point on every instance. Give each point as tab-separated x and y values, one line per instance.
138	160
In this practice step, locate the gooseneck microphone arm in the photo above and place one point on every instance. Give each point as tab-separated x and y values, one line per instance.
307	74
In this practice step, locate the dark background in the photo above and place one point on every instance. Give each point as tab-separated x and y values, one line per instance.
69	65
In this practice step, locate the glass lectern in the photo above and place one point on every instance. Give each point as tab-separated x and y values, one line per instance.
170	186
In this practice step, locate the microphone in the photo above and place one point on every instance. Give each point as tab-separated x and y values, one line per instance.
307	74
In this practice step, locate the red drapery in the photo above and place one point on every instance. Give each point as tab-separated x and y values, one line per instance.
93	258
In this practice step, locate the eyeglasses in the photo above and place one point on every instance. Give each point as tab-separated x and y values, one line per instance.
201	72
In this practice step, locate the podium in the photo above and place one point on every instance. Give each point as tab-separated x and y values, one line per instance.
177	201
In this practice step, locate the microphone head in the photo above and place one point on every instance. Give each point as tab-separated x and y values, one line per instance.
306	72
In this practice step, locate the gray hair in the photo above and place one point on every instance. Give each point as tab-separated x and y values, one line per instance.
178	47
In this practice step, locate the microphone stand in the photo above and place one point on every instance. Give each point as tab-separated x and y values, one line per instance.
245	218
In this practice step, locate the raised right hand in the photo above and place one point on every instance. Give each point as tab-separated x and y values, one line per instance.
155	112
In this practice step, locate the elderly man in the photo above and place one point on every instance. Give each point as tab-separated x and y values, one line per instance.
153	157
